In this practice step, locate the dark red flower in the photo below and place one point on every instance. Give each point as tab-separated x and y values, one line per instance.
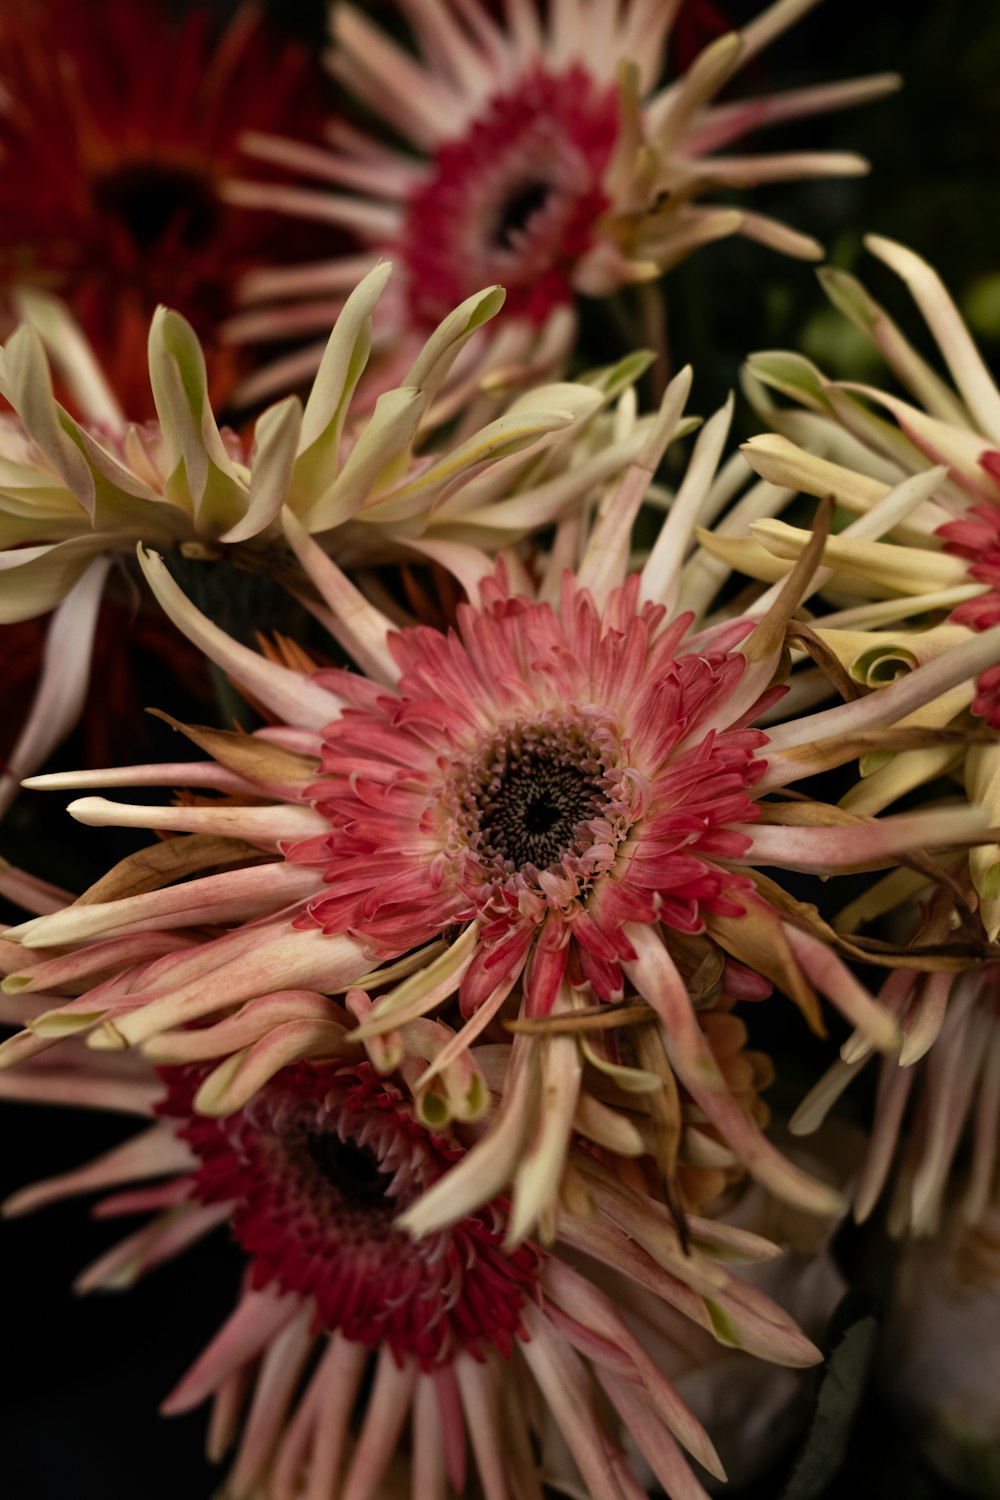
317	1169
118	125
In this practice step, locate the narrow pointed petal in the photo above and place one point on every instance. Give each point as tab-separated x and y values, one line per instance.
291	696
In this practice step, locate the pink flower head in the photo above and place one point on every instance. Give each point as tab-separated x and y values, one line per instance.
550	776
347	1332
539	148
516	201
316	1169
118	128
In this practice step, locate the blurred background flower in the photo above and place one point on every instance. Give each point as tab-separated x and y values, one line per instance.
554	160
118	126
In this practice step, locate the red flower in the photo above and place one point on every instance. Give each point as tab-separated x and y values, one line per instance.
316	1170
118	125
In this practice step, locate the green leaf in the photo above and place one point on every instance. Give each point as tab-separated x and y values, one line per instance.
837	1404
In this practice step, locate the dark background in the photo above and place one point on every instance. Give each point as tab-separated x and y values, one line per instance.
80	1379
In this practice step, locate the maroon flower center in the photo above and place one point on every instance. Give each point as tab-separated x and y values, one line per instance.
317	1168
546	797
154	203
529	801
515	201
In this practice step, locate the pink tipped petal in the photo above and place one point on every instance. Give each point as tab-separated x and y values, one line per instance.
30	893
237	967
236	1080
488	1168
259	1317
655	1443
359	627
152	1154
478	1387
251	1022
235	895
430	1475
265	826
562	1378
160	1241
170	773
821	849
597	1315
826	971
655	977
385	1413
280	1371
342	1372
57	1086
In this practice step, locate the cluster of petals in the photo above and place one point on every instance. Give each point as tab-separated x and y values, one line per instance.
905	582
551	159
386	878
914	571
76	496
938	1097
455	1334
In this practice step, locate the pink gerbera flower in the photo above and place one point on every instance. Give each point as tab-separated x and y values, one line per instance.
347	1330
518	820
548	157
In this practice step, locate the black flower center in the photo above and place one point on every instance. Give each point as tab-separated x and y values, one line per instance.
355	1171
532	811
518	211
155	201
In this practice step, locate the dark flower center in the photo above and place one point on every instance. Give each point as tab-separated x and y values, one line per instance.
540	794
531	812
354	1171
515	199
154	201
316	1168
518	212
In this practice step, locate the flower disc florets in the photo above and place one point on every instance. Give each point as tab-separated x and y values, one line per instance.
544	807
516	200
318	1166
535	768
